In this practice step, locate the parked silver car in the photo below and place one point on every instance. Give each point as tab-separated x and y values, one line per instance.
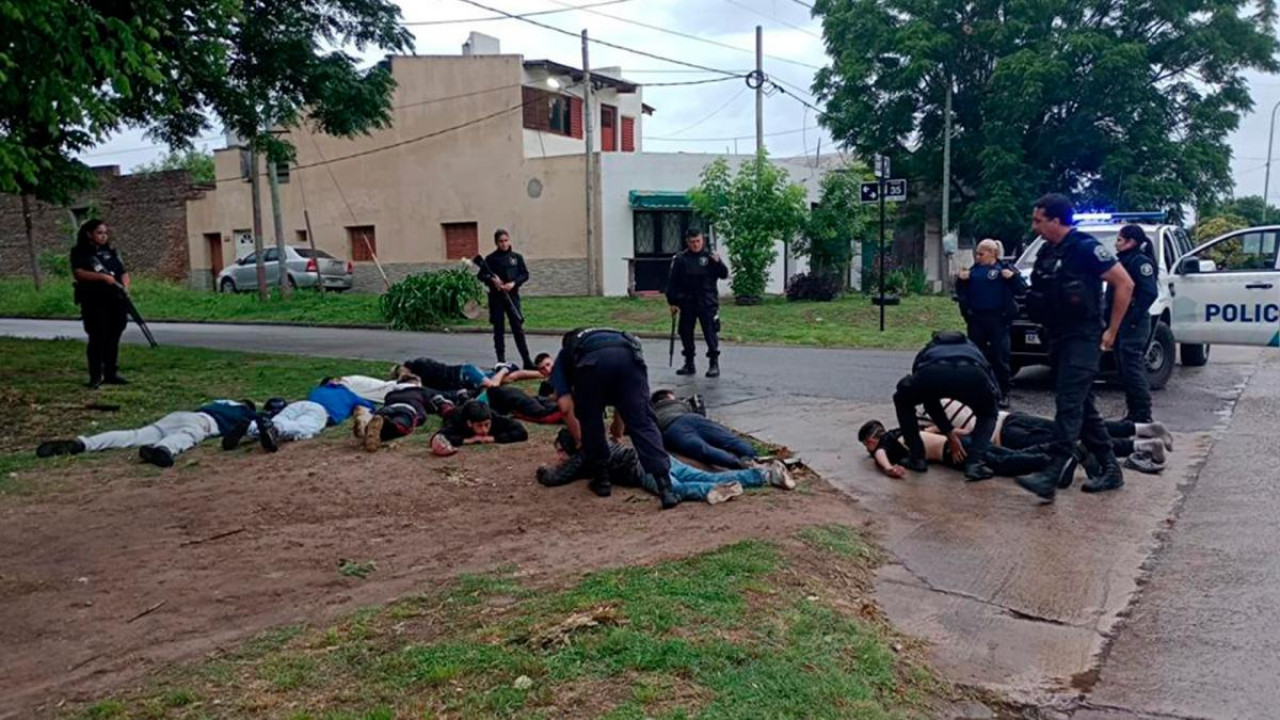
301	265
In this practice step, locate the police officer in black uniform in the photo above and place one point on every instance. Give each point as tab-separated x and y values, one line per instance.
1133	248
1066	299
100	279
505	273
987	294
692	292
596	368
950	366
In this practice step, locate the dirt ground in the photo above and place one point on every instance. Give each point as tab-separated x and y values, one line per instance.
133	569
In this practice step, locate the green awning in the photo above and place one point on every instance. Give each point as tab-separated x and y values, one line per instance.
659	200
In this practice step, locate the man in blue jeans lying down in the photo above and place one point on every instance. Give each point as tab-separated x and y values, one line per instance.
687	432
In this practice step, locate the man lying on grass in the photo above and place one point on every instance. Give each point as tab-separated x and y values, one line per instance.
687	482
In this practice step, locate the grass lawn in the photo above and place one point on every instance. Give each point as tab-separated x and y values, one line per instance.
849	322
751	630
44	397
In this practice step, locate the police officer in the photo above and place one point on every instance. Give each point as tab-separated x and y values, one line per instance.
1066	299
598	367
692	292
987	294
950	366
1133	248
505	273
100	281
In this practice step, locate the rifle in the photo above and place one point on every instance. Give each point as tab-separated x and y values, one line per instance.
671	347
132	309
486	275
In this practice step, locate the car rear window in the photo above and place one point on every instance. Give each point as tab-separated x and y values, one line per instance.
307	253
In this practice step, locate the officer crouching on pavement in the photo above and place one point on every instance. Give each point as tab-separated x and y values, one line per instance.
987	293
692	292
598	367
950	366
1133	248
1066	299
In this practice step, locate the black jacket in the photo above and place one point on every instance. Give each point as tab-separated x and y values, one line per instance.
99	259
1146	286
504	430
692	280
1009	290
508	266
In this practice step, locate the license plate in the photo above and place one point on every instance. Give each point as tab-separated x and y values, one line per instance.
1033	337
333	281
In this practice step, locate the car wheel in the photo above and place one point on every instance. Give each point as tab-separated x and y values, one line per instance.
228	285
1160	357
1194	355
293	284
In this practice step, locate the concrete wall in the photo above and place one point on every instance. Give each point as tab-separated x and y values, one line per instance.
407	184
673	172
146	215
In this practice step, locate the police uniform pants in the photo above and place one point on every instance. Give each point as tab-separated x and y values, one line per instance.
990	333
966	383
499	312
614	376
1022	431
706	317
1075	360
104	320
1131	360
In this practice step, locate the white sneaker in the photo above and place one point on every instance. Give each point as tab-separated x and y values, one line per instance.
1153	447
360	421
723	493
778	475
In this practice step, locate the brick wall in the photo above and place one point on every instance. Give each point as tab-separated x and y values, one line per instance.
147	215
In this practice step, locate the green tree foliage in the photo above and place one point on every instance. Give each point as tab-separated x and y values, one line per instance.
1248	208
1121	103
1210	228
839	220
750	210
197	163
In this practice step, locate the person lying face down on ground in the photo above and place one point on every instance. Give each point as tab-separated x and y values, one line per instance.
162	441
338	400
280	421
687	431
1142	444
511	400
477	424
407	408
375	390
688	483
543	364
435	374
889	450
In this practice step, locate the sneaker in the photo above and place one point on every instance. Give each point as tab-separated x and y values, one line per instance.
778	475
158	456
268	436
1143	463
115	380
724	493
60	447
372	440
360	422
232	439
1159	431
1153	448
697	404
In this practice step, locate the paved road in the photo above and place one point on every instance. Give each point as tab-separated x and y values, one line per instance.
1015	596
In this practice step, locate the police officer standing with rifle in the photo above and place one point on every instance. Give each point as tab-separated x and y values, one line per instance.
598	367
504	272
1134	251
692	292
100	287
1066	299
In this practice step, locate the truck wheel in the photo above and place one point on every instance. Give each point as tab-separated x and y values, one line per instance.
1195	355
1160	357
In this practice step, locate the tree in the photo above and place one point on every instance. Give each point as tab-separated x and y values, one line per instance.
750	211
197	163
1210	228
1123	104
839	220
1248	208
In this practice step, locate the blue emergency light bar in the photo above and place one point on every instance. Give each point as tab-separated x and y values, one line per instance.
1115	218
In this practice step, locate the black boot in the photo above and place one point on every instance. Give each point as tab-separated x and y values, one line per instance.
688	368
1045	483
714	370
268	436
60	447
600	484
976	471
665	493
1112	477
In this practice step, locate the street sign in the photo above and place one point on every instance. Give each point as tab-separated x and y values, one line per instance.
882	166
870	193
895	190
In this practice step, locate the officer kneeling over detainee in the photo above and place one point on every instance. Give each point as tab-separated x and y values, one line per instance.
598	367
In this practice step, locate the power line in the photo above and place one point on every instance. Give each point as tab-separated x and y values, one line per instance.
157	146
419	23
710	115
750	9
693	82
686	36
735	137
604	43
803	4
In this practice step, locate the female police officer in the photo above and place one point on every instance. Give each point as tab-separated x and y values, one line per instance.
1133	251
100	277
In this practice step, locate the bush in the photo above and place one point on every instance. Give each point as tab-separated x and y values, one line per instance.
429	300
814	286
56	264
898	280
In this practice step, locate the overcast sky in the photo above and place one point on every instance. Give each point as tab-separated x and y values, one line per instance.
702	118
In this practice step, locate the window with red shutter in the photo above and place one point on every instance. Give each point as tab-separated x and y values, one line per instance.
364	242
628	134
461	240
575	118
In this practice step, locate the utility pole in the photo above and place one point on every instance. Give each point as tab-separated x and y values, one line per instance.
587	115
255	188
946	190
759	90
1266	184
273	180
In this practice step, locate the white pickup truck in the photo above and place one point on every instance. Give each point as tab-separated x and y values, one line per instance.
1225	292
